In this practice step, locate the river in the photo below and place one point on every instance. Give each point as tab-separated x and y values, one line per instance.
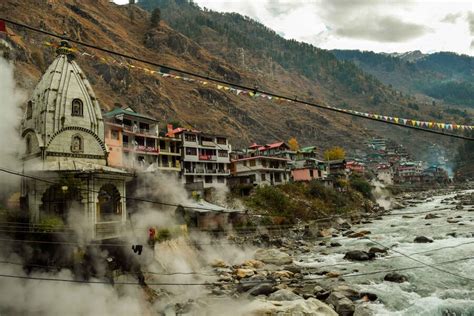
428	291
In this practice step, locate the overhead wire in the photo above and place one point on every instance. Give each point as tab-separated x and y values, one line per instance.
273	94
421	262
219	283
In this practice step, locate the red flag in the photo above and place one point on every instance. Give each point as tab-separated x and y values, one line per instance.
3	28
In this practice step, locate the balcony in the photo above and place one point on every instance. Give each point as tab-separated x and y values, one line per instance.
208	157
140	131
208	143
141	148
206	171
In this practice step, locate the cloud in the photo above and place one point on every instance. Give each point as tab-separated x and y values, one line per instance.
470	20
368	20
382	29
451	17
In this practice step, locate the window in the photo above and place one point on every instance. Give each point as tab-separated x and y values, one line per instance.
76	108
264	163
263	177
29	110
28	144
191	151
77	144
221	140
223	153
244	163
208	179
277	177
220	179
190	138
252	163
311	173
115	134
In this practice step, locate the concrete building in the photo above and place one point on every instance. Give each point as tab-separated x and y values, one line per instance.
205	157
260	170
309	169
63	131
135	143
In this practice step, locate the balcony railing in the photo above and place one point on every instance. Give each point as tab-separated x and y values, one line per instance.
206	171
208	157
208	143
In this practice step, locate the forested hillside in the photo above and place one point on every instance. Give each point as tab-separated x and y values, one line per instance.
226	46
445	76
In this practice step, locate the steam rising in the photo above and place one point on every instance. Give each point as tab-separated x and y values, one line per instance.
11	144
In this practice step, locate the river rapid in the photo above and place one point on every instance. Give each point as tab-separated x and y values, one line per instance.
428	291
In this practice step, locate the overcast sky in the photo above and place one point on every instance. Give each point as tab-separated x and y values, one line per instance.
378	25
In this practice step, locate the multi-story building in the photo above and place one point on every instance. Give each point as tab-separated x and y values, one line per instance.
205	157
309	169
260	170
134	142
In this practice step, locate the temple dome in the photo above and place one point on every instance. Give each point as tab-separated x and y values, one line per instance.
63	116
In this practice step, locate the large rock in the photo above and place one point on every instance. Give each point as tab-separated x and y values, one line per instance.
422	239
377	250
359	234
262	289
359	255
310	306
273	256
244	273
283	295
395	277
431	216
342	305
326	232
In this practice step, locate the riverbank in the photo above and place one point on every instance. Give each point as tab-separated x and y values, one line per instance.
355	266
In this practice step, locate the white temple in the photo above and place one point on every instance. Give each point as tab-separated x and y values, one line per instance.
63	131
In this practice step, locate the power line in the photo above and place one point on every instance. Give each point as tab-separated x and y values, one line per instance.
423	263
293	99
230	282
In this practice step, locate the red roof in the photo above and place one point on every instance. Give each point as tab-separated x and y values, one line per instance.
261	157
271	146
254	145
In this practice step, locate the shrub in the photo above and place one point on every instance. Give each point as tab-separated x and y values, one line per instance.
361	185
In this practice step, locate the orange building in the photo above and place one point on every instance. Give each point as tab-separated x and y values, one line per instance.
134	142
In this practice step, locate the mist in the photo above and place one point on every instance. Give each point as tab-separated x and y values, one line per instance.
11	145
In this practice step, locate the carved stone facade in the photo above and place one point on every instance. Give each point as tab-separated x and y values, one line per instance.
64	134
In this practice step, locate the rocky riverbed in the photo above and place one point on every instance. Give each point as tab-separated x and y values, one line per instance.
414	260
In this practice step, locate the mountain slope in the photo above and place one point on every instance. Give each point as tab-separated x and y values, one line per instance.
128	29
445	76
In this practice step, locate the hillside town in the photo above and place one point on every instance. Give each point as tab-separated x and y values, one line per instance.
131	210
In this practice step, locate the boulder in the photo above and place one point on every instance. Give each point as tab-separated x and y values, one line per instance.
422	239
273	256
377	250
283	295
395	277
342	305
282	274
368	297
253	263
219	264
359	234
335	244
431	216
262	289
244	273
311	306
359	255
332	274
327	232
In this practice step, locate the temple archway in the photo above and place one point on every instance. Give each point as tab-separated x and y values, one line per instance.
109	206
58	200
